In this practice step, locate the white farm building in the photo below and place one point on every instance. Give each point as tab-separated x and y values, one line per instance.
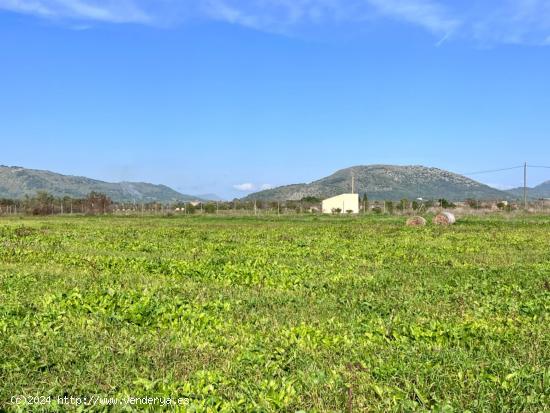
344	203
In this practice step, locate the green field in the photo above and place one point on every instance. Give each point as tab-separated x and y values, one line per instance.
277	314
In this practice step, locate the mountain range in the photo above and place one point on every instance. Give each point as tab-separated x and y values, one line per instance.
537	192
379	182
388	182
17	182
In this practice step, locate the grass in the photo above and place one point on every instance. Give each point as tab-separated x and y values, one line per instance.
266	314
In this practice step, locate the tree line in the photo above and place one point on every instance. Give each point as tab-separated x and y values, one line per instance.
44	203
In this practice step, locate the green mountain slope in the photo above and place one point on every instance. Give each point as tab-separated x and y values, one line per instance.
16	182
538	192
387	182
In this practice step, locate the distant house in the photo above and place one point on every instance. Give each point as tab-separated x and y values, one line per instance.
341	204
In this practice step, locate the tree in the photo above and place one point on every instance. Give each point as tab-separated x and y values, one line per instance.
473	203
403	205
6	202
66	204
365	202
97	202
41	203
446	204
311	200
428	203
210	208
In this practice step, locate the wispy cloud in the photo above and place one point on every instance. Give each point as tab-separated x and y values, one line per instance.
502	187
246	187
514	22
433	16
30	7
114	11
485	21
249	187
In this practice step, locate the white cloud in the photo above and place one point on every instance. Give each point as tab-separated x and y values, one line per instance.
249	187
502	187
431	15
114	11
487	22
268	15
219	10
21	6
514	22
246	187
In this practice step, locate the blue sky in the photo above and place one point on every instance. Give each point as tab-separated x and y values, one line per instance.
227	96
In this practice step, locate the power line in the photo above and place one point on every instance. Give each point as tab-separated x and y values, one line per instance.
494	170
506	169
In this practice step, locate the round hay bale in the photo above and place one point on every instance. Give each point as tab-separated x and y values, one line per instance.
444	218
416	222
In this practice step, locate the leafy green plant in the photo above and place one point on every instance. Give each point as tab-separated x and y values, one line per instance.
304	313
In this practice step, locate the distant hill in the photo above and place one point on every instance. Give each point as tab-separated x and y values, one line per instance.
209	197
387	182
538	192
16	182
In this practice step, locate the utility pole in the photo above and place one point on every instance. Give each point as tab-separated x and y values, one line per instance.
525	186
